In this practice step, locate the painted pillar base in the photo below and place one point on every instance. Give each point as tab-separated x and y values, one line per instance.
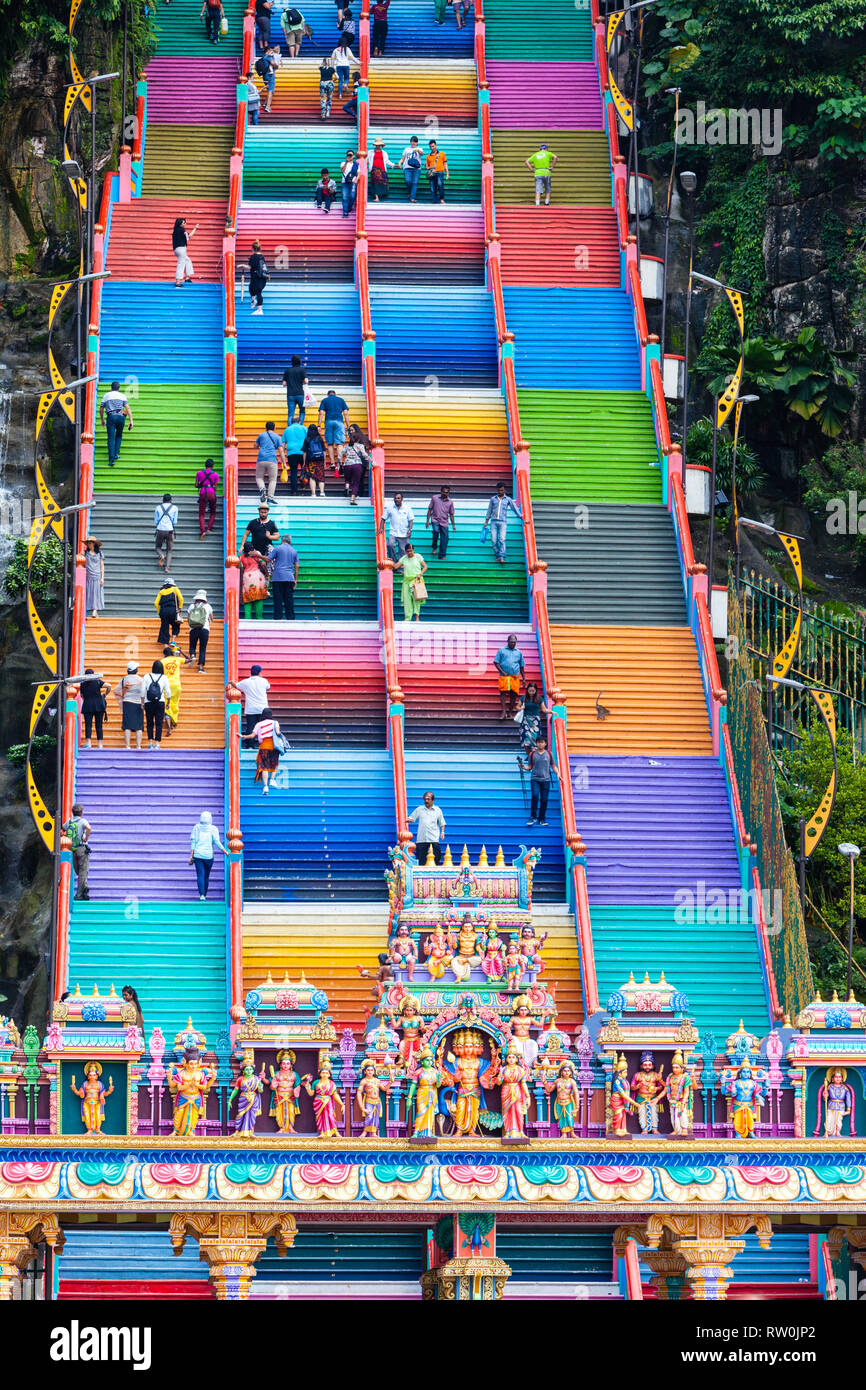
230	1244
669	1274
707	1266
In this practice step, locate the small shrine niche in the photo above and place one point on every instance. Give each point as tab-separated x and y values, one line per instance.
645	1051
92	1056
288	1036
827	1067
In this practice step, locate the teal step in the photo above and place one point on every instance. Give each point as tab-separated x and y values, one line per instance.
173	954
716	965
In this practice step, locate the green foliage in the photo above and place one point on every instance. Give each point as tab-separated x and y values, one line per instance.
803	376
841	470
699	451
46	573
806	774
28	26
838	130
42	746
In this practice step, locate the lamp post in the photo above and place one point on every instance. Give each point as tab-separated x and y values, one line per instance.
738	410
675	92
689	183
851	852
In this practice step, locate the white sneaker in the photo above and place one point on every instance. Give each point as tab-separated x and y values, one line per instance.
258	310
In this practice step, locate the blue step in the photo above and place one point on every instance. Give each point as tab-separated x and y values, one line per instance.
321	323
411	31
154	332
427	337
598	327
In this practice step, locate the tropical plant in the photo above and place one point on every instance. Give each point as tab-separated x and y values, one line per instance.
829	481
46	573
699	450
814	380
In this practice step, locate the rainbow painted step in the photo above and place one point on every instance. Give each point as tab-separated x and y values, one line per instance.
152	332
603	350
337	550
176	427
552	96
591	446
562	28
191	91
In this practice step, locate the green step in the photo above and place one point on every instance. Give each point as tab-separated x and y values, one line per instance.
560	31
181	31
590	446
186	161
173	954
717	966
581	176
175	428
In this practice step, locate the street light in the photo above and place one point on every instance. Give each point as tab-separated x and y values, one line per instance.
851	852
675	92
738	410
689	182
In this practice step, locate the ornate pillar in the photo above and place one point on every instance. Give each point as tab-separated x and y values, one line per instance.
856	1240
469	1270
707	1242
230	1243
669	1273
20	1233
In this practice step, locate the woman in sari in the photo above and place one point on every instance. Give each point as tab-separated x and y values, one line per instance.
413	567
254	581
249	1092
326	1100
268	758
382	162
514	1096
424	1091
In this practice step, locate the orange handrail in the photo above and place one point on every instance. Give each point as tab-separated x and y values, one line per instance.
139	127
742	832
364	289
487	209
717	690
621	211
637	297
480	56
661	409
682	524
776	1010
601	59
484	120
498	298
364	40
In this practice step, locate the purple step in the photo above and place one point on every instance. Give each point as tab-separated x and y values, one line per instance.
142	807
653	826
543	96
192	91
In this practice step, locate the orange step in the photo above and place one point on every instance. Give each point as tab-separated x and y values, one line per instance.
110	643
647	677
562	962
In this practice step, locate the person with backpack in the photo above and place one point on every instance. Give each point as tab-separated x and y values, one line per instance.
293	27
293	439
130	693
180	240
259	276
213	14
284	563
346	24
266	68
263	23
93	691
173	663
165	523
314	461
77	831
327	71
198	617
349	170
168	604
207	481
114	413
270	455
271	743
410	162
355	456
203	839
157	694
295	381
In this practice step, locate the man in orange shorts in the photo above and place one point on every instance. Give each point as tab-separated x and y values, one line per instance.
510	665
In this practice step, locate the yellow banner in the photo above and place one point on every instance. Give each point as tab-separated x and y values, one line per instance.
57	298
612	24
784	659
793	549
624	108
46	401
728	397
40	812
45	643
39	699
736	300
819	822
73	13
48	503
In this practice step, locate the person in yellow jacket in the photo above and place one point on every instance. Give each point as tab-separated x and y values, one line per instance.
172	664
169	605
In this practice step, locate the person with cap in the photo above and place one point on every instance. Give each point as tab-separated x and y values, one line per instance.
198	617
157	697
255	692
130	692
541	165
165	521
261	532
114	413
204	838
284	563
382	162
168	604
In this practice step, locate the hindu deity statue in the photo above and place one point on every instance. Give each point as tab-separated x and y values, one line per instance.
403	952
327	1101
92	1095
522	1020
467	949
411	1024
249	1090
369	1099
836	1099
620	1099
285	1087
648	1087
516	1095
531	945
678	1091
189	1082
465	885
471	1071
746	1091
493	960
424	1093
566	1105
437	949
516	965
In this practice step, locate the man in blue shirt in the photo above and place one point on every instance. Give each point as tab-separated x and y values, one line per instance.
334	414
271	454
283	565
511	667
293	447
497	520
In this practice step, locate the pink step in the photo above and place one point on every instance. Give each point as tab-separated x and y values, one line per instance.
192	91
544	96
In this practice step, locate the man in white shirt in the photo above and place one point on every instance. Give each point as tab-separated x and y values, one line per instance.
400	521
113	412
165	521
431	829
255	692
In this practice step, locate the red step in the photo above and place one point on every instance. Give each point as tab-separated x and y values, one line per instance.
562	247
139	244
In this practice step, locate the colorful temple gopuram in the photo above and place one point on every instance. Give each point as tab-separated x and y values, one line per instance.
565	1051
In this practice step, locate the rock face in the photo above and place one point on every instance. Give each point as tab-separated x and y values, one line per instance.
798	259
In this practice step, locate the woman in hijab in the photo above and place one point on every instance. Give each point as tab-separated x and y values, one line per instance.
180	239
202	840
